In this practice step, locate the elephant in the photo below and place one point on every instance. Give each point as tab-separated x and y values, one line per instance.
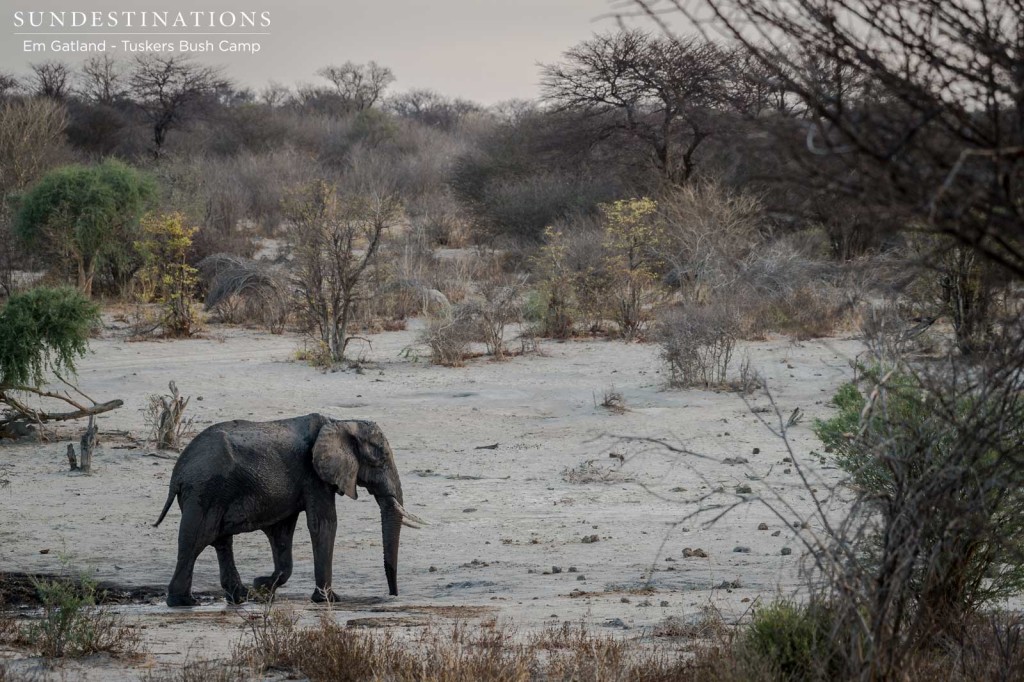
240	476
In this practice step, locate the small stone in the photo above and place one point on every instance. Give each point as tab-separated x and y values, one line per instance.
756	451
469	510
664	603
678	489
700	553
44	551
744	490
741	549
433	569
624	600
589	539
762	526
786	551
787	460
581	577
616	623
787	471
796	524
776	533
556	569
687	552
573	569
745	600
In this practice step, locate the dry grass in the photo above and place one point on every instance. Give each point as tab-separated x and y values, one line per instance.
591	472
486	652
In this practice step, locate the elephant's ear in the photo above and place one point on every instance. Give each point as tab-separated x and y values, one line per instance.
334	457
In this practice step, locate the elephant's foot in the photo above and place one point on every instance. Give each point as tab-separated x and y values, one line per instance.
181	600
321	595
269	582
236	595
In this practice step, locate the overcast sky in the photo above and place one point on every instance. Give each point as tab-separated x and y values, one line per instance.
485	50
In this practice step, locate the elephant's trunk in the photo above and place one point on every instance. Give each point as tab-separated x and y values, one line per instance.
391	528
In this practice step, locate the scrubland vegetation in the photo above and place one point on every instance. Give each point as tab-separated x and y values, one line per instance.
685	192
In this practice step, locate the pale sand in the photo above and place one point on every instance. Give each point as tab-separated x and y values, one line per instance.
508	509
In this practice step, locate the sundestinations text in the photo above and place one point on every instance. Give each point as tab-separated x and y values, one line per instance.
140	19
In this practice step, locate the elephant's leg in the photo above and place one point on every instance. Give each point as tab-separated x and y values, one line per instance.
234	590
280	536
192	540
322	521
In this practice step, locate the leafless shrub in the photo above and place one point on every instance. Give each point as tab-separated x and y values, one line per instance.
449	333
613	401
750	380
142	320
710	235
241	290
501	306
697	344
164	415
440	217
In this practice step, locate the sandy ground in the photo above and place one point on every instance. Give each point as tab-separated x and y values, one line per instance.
503	519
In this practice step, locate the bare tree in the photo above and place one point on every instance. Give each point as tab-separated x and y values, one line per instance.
169	89
334	241
103	80
359	85
275	94
657	90
51	79
920	103
431	108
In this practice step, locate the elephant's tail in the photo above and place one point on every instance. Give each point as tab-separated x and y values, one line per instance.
171	494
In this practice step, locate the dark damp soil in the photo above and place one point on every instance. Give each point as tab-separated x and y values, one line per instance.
19	590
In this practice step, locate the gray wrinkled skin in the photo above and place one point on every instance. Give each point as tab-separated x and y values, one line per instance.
240	476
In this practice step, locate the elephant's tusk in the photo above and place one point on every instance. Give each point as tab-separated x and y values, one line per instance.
407	517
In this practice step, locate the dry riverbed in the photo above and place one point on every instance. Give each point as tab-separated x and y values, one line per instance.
539	513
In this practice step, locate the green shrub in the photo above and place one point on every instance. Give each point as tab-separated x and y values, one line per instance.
72	625
792	641
938	463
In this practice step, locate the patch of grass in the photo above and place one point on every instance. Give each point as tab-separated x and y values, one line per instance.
73	625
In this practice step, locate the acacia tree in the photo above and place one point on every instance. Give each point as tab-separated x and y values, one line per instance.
42	333
169	89
335	240
657	91
358	85
85	214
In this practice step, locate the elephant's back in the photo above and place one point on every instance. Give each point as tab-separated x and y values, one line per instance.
248	445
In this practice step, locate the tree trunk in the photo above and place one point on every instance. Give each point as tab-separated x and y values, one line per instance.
87	443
